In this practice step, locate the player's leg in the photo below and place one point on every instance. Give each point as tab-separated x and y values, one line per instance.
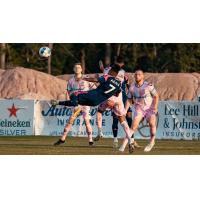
86	116
99	125
102	107
135	124
119	111
124	124
152	125
129	120
72	102
68	126
115	130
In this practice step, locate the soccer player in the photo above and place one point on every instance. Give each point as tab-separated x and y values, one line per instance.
77	84
125	84
109	86
115	103
145	99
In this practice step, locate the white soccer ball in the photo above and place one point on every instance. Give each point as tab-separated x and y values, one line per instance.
45	52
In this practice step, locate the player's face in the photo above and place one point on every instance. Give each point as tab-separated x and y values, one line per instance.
139	76
78	69
121	64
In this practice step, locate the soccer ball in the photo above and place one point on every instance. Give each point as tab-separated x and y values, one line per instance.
45	52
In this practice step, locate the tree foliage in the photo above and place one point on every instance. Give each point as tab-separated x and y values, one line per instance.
149	57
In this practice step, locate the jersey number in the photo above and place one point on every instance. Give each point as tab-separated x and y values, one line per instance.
111	89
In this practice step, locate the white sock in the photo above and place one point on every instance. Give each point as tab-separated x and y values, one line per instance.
124	143
126	128
132	140
115	139
90	137
100	132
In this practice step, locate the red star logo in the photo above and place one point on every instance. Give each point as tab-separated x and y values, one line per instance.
13	111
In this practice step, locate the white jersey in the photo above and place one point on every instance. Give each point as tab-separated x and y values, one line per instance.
75	85
143	95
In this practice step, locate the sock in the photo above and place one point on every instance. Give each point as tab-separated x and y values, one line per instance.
126	128
124	143
125	140
115	131
129	120
115	125
90	136
73	102
115	139
66	131
100	132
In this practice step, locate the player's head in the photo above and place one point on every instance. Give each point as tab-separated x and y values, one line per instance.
114	70
139	76
78	68
120	61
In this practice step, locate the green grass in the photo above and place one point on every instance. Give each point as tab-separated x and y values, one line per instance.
43	145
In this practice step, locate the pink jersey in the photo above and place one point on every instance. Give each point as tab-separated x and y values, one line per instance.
143	95
78	85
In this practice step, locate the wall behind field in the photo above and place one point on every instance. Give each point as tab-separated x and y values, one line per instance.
26	83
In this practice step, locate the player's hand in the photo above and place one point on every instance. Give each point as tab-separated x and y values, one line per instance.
155	110
54	103
126	79
101	65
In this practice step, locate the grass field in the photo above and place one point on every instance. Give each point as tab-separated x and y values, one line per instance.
43	145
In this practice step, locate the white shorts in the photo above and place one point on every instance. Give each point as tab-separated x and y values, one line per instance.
115	103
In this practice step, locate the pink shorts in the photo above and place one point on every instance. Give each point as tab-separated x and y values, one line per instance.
144	113
85	112
118	105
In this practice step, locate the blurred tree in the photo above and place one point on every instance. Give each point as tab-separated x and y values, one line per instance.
3	55
151	57
49	59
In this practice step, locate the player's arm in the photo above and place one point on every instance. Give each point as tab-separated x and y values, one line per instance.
155	96
67	95
155	103
92	79
68	89
129	101
101	66
128	104
126	79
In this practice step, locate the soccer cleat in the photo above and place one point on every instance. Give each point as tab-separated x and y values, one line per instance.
91	143
131	148
115	144
136	145
149	147
54	103
59	142
98	137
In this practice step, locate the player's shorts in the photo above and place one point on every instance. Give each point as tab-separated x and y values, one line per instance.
144	113
114	103
85	112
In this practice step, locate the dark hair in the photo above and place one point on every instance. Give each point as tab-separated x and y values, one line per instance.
77	64
116	68
139	69
120	59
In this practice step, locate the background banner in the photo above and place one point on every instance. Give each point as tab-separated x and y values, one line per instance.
176	120
16	117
